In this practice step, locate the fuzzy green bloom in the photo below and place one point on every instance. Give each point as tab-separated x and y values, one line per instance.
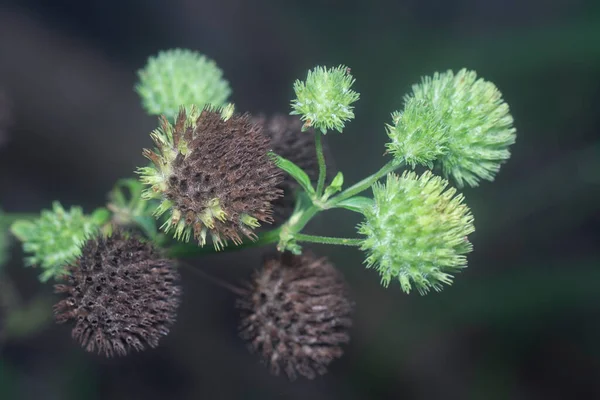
54	240
416	232
457	120
418	135
177	78
324	100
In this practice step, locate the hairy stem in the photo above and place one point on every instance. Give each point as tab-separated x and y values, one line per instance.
300	237
322	166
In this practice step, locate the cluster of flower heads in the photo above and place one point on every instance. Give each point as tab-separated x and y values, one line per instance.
211	176
213	173
458	121
121	295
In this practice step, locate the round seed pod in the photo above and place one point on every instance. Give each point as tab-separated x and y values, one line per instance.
296	314
213	173
121	295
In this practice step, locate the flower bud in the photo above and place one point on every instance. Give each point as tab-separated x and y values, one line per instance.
324	100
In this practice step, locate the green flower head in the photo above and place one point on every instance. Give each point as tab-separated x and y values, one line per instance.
416	232
457	120
324	100
177	78
55	239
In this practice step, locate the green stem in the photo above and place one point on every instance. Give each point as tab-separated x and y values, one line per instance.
181	250
300	237
322	166
363	184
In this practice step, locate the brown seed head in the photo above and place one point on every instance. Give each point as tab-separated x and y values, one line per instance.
296	314
218	176
121	294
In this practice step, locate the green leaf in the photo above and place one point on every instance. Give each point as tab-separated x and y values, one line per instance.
357	204
295	172
22	229
100	216
336	185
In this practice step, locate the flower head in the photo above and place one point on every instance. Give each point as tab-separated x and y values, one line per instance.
296	314
214	176
457	120
324	100
416	232
55	238
121	295
176	78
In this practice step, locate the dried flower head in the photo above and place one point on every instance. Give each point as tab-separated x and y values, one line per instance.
288	141
180	77
55	238
121	294
416	231
324	100
296	314
214	175
458	120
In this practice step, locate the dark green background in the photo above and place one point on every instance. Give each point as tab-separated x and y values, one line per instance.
520	323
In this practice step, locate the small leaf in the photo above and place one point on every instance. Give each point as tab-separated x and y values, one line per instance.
295	172
336	185
22	229
357	203
100	216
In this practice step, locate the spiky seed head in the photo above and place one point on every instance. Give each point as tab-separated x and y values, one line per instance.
213	176
121	295
54	239
458	120
324	100
296	314
416	232
288	141
180	77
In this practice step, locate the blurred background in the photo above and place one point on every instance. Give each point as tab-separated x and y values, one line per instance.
522	322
